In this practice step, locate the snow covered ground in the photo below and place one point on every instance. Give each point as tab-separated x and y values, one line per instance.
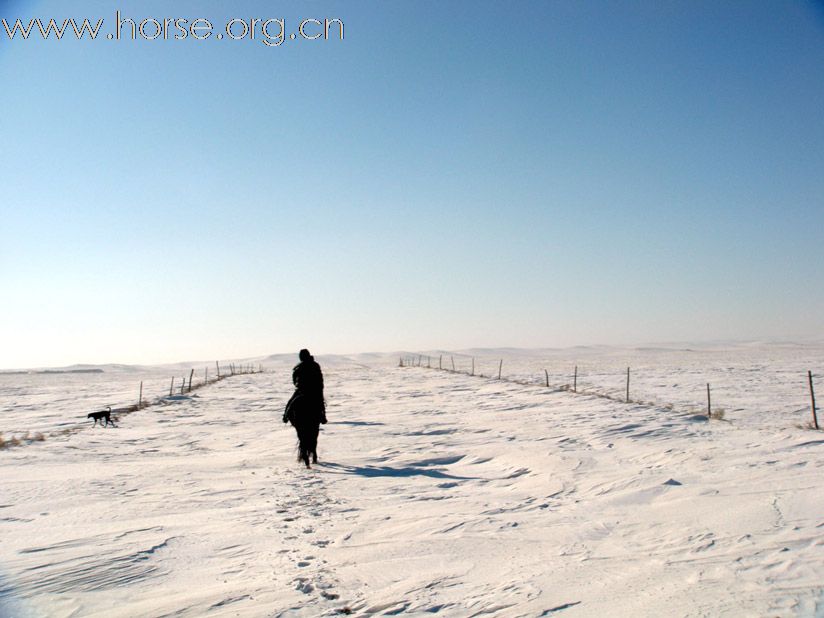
437	493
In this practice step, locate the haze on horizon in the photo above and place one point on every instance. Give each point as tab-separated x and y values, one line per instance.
449	176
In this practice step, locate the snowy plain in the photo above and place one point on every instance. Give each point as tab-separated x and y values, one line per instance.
437	493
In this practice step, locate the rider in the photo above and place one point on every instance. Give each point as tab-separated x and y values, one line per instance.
306	409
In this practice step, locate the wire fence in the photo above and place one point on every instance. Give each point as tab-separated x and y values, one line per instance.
755	392
55	410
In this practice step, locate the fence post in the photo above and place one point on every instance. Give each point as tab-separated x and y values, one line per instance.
440	362
627	384
575	380
546	374
140	397
812	398
191	375
217	365
473	366
500	364
172	386
709	403
453	362
206	376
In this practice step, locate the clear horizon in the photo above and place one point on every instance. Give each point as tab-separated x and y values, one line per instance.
448	176
636	346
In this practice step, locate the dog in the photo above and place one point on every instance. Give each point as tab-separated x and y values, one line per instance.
100	416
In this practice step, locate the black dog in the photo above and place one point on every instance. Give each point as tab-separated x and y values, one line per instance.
103	414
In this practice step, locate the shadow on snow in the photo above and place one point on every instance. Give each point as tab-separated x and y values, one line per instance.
373	471
356	423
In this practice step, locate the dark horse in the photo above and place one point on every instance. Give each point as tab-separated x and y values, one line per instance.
306	414
306	409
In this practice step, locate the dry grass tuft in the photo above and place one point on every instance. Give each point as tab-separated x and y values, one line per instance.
718	414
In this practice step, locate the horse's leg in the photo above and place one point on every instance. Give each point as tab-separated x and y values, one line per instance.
314	443
305	446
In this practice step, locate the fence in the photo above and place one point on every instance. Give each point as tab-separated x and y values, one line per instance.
179	386
494	369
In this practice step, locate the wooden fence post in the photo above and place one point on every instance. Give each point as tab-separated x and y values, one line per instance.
217	365
546	374
812	398
500	364
191	375
140	397
206	376
453	362
171	388
627	384
709	403
575	380
440	362
473	366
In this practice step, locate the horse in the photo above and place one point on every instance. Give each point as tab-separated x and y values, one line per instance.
306	413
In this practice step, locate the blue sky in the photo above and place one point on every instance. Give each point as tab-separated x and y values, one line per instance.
452	174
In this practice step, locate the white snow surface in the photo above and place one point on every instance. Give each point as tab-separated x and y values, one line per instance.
437	493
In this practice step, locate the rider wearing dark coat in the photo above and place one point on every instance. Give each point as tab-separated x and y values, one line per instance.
306	409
